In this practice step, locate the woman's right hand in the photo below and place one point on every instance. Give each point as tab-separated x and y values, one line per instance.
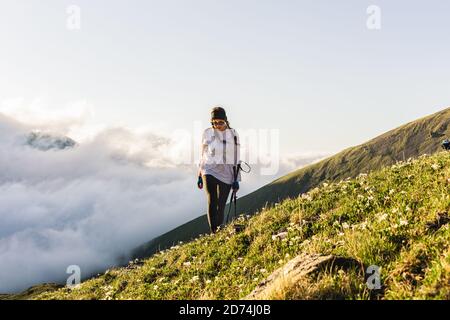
200	182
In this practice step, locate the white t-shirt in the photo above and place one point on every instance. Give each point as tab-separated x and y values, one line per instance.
218	158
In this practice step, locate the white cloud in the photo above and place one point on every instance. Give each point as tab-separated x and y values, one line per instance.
42	114
86	206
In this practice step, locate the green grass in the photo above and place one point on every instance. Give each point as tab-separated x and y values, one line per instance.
394	218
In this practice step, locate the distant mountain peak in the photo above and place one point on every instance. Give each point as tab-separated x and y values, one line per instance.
47	141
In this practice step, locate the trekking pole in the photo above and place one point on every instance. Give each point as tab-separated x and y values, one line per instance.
233	196
235	210
229	208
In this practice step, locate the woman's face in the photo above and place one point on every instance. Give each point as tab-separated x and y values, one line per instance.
219	124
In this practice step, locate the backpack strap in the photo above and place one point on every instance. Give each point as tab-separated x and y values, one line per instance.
236	167
235	147
224	141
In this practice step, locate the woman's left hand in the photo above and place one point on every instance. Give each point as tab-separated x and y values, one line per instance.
200	182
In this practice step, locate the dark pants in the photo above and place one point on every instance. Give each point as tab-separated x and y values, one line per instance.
217	194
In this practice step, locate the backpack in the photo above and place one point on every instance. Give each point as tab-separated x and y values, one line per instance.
446	144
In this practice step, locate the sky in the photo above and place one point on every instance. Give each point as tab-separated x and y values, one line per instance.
138	76
311	69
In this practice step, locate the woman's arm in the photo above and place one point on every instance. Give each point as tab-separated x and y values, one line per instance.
200	164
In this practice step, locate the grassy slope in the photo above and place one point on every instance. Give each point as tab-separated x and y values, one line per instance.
32	292
388	218
410	140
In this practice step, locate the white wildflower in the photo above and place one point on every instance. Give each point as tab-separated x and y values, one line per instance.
345	225
306	196
187	264
74	287
281	235
403	222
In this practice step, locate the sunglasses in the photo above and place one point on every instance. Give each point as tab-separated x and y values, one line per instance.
218	123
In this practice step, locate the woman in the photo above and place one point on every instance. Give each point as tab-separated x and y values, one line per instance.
218	167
